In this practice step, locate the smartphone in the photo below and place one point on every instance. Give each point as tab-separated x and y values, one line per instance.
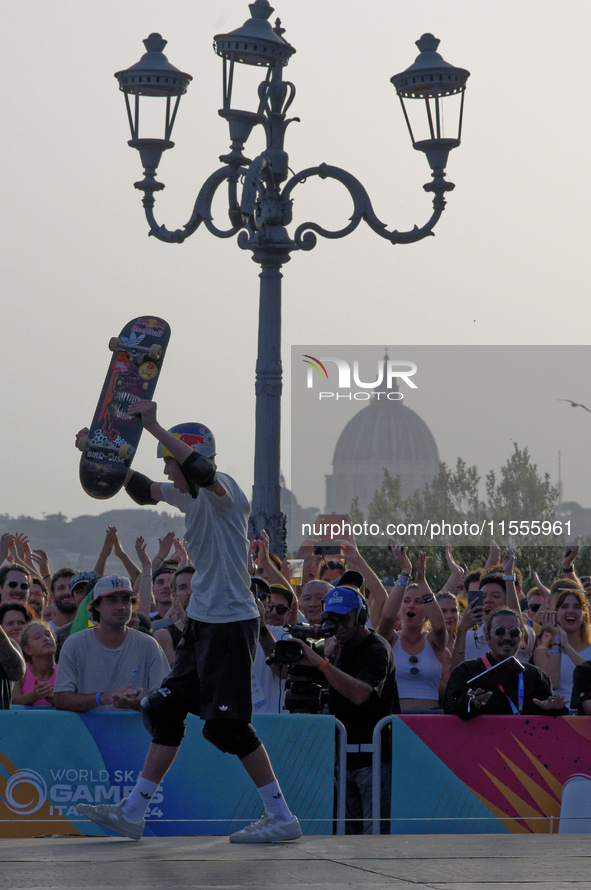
475	597
327	549
585	579
551	616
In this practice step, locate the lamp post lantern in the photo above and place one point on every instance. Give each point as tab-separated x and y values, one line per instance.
261	213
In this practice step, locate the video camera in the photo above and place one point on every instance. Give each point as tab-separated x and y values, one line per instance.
303	693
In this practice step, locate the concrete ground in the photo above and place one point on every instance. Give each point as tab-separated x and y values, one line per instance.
451	862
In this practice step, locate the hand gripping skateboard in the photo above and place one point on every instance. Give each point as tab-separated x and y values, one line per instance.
113	436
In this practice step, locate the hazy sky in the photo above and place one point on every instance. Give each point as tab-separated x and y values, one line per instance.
509	263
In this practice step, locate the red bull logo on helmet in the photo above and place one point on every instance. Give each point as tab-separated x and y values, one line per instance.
195	435
192	440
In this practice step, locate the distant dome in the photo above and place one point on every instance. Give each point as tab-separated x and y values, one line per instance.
384	435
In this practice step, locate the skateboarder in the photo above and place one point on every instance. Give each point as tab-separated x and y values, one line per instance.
210	676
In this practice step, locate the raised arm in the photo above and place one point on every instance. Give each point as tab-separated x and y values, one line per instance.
128	563
509	575
101	560
456	573
376	592
272	573
438	634
393	602
144	579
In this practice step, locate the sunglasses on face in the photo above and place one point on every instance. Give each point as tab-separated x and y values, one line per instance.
513	632
14	584
281	610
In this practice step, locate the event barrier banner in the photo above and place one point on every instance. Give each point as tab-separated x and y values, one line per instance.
50	761
490	774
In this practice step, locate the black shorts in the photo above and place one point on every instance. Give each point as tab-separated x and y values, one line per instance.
212	667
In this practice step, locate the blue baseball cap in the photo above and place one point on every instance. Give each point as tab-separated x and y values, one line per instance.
342	600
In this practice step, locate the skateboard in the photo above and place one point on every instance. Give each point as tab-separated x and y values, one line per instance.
113	435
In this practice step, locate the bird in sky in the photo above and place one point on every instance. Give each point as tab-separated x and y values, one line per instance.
575	404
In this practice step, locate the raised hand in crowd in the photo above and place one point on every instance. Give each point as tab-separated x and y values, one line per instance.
180	553
143	582
494	557
41	560
569	554
400	554
127	562
22	551
374	590
266	565
5	542
544	591
165	544
456	573
106	549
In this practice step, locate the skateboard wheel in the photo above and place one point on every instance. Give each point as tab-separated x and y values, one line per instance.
125	452
82	443
155	352
114	344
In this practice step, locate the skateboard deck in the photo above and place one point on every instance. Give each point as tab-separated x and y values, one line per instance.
114	434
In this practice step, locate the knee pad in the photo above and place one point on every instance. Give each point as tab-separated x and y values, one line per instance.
232	736
163	718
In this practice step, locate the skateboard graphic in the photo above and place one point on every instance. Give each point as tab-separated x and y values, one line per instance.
113	436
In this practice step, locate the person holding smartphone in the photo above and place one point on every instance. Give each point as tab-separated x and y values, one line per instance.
496	591
526	692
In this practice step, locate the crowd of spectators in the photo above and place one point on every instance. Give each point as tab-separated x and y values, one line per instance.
431	635
80	640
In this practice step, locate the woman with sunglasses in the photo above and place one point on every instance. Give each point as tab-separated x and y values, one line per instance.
529	692
564	638
419	652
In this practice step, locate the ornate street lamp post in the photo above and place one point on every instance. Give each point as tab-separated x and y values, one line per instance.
261	212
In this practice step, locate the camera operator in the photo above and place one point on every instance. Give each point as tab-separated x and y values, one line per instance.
362	690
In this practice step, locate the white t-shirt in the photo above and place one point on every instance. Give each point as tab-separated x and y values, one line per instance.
268	690
215	531
87	666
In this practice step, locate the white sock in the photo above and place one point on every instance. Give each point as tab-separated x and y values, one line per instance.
138	801
274	802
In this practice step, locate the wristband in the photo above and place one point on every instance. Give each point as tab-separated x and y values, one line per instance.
555	651
323	666
97	699
509	577
264	630
401	580
569	571
557	641
428	599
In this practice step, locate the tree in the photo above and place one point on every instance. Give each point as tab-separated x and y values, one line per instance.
517	493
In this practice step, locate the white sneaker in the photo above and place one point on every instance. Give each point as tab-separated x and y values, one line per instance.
268	830
110	816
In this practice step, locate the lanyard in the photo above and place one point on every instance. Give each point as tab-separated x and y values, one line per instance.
514	710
